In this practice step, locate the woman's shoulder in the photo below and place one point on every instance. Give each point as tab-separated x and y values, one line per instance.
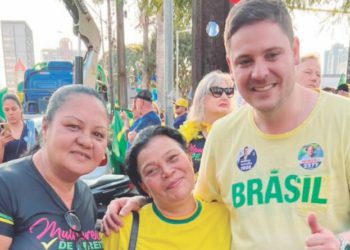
15	167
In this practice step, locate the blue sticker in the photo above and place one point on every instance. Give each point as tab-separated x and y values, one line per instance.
246	159
310	156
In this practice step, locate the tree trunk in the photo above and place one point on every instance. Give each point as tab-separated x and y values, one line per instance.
208	53
122	80
145	69
160	59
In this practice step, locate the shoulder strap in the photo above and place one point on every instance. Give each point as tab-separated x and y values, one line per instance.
134	231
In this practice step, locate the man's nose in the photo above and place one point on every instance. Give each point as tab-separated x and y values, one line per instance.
260	70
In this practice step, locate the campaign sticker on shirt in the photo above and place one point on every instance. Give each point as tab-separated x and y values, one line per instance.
246	158
310	156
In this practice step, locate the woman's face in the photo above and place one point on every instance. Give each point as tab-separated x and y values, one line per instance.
166	172
218	106
76	139
12	111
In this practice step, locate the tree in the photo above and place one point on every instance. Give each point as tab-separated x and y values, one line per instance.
208	52
337	9
182	17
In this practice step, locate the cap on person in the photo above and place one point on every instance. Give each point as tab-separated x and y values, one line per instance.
181	102
144	95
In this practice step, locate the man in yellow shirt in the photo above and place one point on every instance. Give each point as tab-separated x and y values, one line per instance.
271	197
279	199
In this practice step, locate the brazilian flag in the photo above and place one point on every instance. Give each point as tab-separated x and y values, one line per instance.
119	141
3	92
20	92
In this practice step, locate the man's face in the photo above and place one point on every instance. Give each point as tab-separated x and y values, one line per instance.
137	107
179	110
262	62
309	73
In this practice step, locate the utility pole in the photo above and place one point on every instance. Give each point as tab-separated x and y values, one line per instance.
169	62
110	59
122	82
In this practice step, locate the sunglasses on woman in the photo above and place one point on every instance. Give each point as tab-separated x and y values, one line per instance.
74	223
218	91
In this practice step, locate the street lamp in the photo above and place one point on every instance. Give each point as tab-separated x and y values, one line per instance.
177	60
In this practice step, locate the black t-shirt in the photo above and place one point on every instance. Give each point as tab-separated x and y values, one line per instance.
32	213
196	147
15	148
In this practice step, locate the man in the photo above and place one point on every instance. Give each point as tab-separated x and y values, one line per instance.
309	71
270	200
181	107
144	114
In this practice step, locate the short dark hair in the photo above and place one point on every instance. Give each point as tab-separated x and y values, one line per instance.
252	11
12	97
141	141
144	95
61	95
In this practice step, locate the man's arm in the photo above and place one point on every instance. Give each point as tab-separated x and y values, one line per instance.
207	187
118	208
131	136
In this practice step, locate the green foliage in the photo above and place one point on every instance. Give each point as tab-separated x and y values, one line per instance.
334	8
185	66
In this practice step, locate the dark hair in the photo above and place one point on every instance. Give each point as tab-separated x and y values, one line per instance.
141	141
252	11
12	97
61	95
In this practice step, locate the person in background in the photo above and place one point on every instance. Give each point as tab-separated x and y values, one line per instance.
180	108
212	100
43	204
144	115
277	200
343	90
16	136
161	169
308	71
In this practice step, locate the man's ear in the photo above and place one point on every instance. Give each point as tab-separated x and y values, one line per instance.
296	50
230	67
229	63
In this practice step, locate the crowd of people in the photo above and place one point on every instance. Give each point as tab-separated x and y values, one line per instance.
272	174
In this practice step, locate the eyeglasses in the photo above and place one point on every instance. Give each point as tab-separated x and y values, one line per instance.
218	91
74	223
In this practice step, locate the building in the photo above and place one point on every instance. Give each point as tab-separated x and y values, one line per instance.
336	60
63	53
17	42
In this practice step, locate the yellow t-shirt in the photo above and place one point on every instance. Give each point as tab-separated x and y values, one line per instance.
207	229
270	183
